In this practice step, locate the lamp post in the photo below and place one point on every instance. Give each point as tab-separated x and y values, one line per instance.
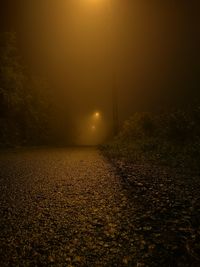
114	64
115	107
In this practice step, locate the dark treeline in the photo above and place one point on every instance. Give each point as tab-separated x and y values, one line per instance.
25	102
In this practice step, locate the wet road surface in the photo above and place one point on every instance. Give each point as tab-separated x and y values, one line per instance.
63	207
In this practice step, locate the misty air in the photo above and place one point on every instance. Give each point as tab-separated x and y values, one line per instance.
99	133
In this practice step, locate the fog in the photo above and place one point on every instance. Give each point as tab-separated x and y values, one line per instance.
85	48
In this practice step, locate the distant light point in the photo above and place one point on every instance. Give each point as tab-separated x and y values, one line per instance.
97	114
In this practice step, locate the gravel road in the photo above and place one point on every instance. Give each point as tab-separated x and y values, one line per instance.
63	207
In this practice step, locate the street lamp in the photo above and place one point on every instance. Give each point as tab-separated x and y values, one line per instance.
97	115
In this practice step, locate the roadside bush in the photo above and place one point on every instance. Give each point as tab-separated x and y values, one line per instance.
140	125
171	138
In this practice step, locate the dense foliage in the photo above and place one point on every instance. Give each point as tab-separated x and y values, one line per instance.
171	137
24	99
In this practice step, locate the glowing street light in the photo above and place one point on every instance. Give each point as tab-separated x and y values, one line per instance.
97	115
